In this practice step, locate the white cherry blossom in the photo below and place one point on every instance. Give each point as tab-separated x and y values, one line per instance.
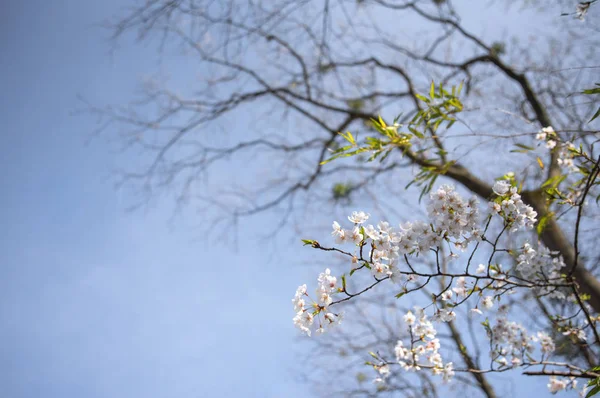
358	217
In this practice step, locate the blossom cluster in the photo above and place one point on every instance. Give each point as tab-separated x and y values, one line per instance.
454	217
423	344
559	384
453	220
305	315
548	135
541	265
546	342
565	156
511	207
509	338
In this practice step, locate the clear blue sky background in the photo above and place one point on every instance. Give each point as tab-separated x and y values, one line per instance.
96	302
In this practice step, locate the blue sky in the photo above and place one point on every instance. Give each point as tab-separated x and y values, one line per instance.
98	302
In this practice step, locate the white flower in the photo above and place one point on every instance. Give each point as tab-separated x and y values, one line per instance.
298	299
401	352
475	311
445	315
488	302
303	320
509	338
501	187
577	333
448	372
541	265
356	236
409	318
449	216
336	227
338	233
541	136
372	233
358	217
324	299
447	295
380	270
384	371
433	345
550	144
481	269
556	385
495	207
333	319
396	276
546	342
515	211
544	133
327	281
460	289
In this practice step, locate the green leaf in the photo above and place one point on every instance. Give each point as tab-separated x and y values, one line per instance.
543	222
308	242
523	146
348	136
540	163
554	181
595	368
422	98
595	115
592	91
593	391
